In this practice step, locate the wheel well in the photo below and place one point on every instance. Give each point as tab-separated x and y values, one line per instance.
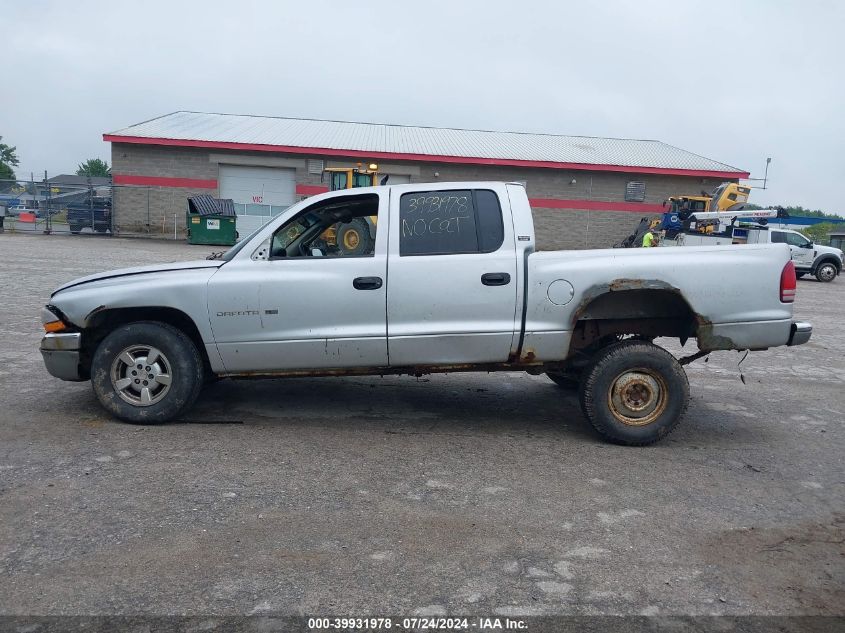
645	312
833	259
105	321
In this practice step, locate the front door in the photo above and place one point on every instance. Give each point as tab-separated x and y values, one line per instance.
310	304
799	246
452	277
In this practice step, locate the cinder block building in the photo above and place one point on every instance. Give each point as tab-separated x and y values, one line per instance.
585	192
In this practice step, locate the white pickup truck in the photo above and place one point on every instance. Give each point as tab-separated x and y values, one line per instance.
824	262
449	281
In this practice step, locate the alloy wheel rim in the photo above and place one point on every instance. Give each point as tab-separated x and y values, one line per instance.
141	375
827	272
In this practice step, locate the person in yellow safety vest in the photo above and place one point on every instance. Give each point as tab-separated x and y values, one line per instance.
650	239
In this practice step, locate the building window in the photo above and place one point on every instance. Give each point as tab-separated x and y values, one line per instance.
315	166
635	191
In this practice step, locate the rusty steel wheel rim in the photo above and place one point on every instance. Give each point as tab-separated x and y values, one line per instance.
637	397
141	375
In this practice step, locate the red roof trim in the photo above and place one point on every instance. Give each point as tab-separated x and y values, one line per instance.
111	138
595	205
161	181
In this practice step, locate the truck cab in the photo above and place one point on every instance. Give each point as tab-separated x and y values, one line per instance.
825	262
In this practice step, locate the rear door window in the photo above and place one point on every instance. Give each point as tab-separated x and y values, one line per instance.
491	231
450	222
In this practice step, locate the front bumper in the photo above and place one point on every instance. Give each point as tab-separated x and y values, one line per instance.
800	333
61	355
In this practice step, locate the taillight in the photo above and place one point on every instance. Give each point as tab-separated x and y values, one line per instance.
788	283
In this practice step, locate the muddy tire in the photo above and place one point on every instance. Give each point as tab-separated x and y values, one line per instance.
826	272
634	393
147	372
564	380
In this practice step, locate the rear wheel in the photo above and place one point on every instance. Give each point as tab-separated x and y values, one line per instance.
826	272
147	372
634	393
75	228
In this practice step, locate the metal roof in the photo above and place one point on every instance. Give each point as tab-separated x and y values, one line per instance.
415	143
73	179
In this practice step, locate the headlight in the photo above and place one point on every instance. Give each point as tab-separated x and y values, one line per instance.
51	321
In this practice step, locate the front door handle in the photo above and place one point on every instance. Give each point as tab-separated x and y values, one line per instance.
495	279
367	283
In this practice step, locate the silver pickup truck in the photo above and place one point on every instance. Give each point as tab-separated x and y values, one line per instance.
414	279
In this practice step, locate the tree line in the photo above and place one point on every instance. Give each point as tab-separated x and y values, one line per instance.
820	232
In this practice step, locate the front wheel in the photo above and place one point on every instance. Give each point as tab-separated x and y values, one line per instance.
147	372
826	272
634	393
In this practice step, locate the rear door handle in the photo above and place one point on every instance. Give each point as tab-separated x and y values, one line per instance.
367	283
495	279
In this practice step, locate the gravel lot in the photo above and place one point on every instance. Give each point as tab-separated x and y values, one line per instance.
461	494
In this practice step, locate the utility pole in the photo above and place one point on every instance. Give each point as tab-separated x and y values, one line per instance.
48	196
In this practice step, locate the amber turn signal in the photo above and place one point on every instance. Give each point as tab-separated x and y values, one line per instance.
54	326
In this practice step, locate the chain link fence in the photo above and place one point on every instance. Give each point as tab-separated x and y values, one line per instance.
61	205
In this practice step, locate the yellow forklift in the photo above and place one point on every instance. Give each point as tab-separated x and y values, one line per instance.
358	236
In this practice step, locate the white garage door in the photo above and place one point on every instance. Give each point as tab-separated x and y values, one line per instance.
259	193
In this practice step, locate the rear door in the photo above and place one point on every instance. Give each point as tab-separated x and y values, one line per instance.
451	276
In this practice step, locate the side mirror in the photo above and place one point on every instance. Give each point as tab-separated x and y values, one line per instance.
807	245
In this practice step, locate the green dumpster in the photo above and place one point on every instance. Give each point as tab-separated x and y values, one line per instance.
210	220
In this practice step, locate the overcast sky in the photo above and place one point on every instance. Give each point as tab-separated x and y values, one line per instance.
736	81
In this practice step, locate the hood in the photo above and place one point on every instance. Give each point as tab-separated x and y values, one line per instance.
141	270
821	248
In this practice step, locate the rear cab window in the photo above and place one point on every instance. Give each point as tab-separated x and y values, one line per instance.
450	222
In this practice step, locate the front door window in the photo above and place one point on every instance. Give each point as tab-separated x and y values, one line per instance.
338	227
